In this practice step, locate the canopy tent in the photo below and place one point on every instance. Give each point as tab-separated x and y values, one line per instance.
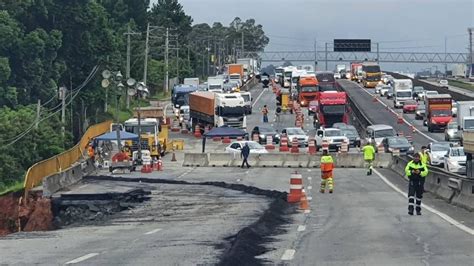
223	131
113	136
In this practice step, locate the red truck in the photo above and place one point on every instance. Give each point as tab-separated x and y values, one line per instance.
332	108
438	111
307	90
356	71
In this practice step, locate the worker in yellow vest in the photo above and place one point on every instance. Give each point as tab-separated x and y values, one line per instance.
327	167
369	156
424	157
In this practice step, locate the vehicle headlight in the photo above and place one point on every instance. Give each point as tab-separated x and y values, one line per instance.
262	136
358	139
411	148
277	136
330	140
181	119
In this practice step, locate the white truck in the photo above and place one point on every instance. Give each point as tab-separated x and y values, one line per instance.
215	84
465	117
459	70
402	91
247	96
250	67
191	81
217	109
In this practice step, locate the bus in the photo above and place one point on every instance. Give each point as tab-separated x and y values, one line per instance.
326	81
371	74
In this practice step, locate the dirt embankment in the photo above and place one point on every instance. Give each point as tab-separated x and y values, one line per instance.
35	215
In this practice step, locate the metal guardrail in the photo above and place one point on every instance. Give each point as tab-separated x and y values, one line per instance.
37	172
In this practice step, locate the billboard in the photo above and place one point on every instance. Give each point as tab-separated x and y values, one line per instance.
352	45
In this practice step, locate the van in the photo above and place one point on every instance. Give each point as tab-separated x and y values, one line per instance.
379	132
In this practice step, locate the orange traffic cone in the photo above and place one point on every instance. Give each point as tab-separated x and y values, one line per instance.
304	201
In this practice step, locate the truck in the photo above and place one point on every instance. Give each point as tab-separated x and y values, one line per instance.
179	94
236	70
371	74
340	68
152	138
279	74
332	108
247	96
215	84
465	117
459	71
326	81
250	67
217	109
402	91
295	77
191	81
356	71
307	90
288	71
438	111
471	73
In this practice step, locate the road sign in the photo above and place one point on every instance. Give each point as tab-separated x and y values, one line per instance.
352	45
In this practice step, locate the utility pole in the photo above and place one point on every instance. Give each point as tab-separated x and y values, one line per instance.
208	55
62	94
326	56
315	55
38	110
127	71
378	59
145	67
177	60
471	59
166	60
445	55
242	48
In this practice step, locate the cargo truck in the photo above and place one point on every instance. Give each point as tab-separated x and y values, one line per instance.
332	108
356	71
438	111
236	69
215	84
249	65
179	95
217	109
279	74
191	81
402	91
371	74
459	71
307	90
465	117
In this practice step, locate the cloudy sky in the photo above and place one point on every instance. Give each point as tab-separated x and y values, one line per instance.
398	25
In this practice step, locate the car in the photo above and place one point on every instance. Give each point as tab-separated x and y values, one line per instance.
351	133
384	89
333	136
399	143
379	133
418	93
455	160
340	125
378	87
312	107
431	93
409	106
454	108
389	93
452	132
263	132
298	133
236	147
443	83
420	111
387	78
436	152
337	75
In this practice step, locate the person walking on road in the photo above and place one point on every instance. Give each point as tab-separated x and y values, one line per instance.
244	153
369	156
327	167
424	157
265	114
277	114
416	172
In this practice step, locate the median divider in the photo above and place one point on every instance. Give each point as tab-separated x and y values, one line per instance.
466	196
195	159
271	160
221	159
296	160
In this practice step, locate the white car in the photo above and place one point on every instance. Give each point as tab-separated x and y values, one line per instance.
298	133
437	151
337	75
384	89
334	136
236	147
443	83
378	88
431	93
455	160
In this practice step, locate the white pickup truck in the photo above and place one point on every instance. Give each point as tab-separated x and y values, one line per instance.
333	136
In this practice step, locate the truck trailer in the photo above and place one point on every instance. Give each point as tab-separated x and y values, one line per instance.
438	111
465	117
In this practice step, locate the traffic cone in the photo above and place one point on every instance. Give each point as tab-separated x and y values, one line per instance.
173	158
296	187
304	201
197	131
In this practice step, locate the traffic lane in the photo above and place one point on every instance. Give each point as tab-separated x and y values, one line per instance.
410	117
366	223
378	114
179	225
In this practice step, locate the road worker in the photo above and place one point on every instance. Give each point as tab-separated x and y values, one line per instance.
327	167
416	171
369	156
424	157
265	114
91	152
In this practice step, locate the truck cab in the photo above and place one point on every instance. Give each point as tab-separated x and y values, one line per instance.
438	111
247	96
465	117
334	136
402	91
307	90
150	135
230	110
332	108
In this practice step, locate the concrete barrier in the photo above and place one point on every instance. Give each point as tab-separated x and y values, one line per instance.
438	183
383	160
465	198
314	161
296	160
346	160
222	159
58	181
271	160
237	161
195	159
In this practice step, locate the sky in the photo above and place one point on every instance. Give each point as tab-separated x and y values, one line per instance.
397	25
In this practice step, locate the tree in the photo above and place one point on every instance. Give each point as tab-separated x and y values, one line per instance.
170	14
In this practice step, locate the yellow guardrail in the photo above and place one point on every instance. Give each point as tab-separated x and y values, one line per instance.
35	174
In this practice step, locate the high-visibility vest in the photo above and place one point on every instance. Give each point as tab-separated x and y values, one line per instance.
424	158
369	152
420	166
327	163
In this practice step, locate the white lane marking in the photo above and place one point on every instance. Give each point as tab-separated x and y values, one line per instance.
83	186
404	120
309	178
309	170
310	198
83	258
301	228
310	187
153	231
289	254
444	216
256	100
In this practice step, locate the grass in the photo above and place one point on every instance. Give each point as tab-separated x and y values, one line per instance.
16	186
460	84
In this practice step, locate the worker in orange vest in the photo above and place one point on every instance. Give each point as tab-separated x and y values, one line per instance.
327	167
91	152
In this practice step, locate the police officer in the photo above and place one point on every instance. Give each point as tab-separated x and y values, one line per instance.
369	156
416	172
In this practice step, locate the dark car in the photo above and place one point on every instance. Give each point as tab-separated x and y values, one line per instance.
418	92
351	133
399	143
263	132
420	111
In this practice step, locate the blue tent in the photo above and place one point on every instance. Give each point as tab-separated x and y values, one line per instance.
223	131
113	136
